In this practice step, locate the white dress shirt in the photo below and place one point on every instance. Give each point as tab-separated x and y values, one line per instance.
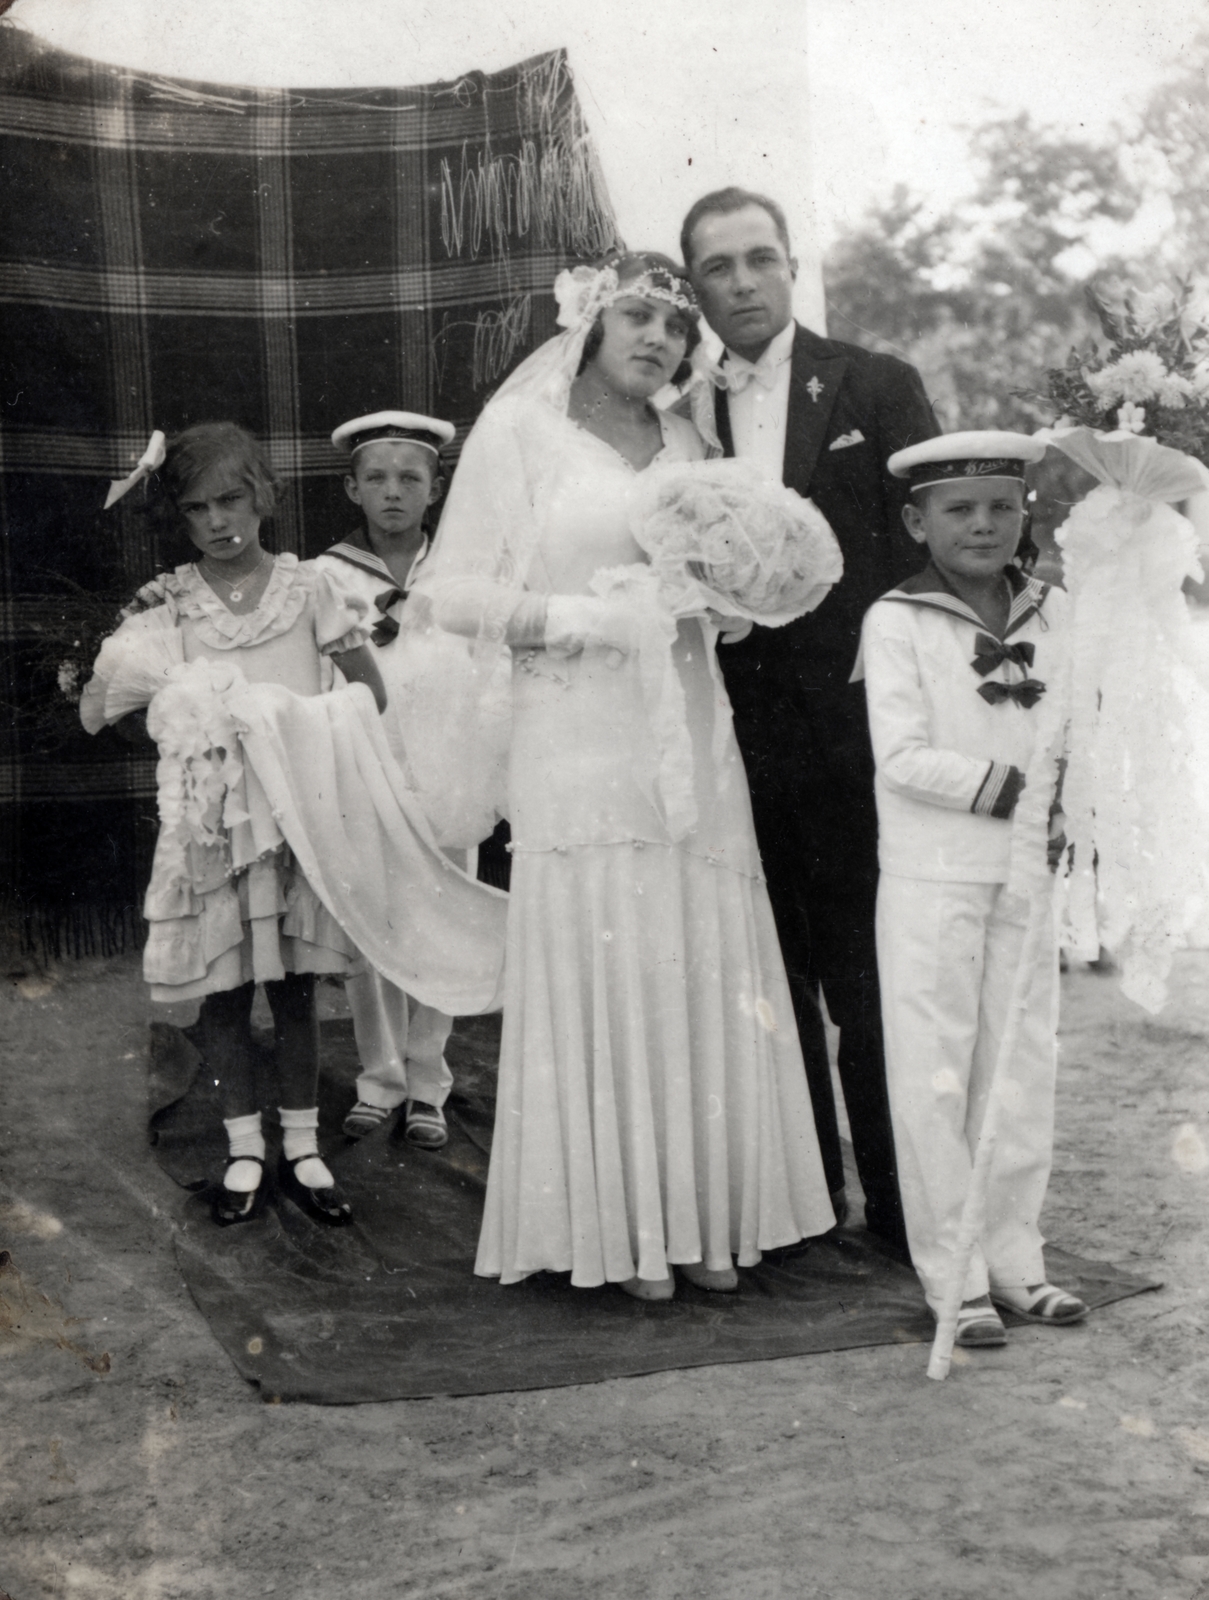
758	404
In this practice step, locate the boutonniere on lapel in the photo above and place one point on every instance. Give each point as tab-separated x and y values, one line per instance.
814	389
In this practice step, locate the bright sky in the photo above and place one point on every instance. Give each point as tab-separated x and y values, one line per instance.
683	97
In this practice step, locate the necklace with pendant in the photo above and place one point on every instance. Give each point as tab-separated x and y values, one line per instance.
237	588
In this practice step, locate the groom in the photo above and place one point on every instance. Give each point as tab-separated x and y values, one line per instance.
822	417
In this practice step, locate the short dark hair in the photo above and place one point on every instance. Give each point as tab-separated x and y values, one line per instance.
723	202
191	453
632	265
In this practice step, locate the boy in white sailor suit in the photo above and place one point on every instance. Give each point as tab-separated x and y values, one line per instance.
955	661
394	477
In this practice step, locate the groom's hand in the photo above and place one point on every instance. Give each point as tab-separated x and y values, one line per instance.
730	629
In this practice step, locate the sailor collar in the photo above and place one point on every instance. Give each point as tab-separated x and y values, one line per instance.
355	550
930	591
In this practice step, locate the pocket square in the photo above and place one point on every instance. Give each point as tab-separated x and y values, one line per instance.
845	439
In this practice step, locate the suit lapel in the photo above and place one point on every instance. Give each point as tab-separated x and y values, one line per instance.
722	422
814	383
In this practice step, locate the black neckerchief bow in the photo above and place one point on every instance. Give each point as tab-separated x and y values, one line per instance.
990	653
1026	694
386	628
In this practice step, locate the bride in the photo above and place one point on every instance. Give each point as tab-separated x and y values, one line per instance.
652	1107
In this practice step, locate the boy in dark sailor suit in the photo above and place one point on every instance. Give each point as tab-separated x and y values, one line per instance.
956	661
822	417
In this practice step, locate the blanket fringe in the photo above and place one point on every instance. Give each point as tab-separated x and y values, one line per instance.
44	934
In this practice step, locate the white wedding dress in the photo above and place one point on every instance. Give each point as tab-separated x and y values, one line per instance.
652	1104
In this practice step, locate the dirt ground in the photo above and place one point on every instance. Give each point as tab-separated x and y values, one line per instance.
136	1465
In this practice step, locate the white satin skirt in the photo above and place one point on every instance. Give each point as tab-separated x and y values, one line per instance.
652	1104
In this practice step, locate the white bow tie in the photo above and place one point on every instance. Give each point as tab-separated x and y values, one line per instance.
735	374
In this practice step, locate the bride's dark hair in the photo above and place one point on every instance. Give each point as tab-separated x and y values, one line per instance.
664	272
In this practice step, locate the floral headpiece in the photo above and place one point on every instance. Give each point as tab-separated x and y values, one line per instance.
583	292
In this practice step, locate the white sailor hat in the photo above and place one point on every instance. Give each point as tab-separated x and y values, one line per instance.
409	426
987	453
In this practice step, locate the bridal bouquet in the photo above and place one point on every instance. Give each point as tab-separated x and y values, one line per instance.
720	537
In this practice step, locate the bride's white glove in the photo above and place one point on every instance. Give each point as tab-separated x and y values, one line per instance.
576	622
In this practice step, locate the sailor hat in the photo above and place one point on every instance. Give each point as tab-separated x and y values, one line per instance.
987	453
409	426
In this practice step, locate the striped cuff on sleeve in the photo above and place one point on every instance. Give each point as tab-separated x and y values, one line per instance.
999	791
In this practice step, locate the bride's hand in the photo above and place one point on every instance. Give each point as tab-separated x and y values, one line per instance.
576	622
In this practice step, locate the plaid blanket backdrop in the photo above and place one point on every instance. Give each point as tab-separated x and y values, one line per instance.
172	252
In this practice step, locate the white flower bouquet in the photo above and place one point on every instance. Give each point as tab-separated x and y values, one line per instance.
1152	380
720	537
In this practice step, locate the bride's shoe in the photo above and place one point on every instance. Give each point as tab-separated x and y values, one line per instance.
649	1288
722	1280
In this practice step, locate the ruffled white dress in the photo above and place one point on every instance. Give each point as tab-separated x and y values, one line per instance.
218	929
652	1103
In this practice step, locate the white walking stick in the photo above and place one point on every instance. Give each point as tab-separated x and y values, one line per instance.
1030	882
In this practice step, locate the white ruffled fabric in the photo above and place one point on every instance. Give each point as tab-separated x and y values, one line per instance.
312	850
1135	793
282	806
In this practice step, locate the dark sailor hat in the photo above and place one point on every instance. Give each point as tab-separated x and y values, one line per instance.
409	426
987	453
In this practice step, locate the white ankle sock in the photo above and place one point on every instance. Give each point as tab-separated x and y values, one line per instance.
244	1138
299	1139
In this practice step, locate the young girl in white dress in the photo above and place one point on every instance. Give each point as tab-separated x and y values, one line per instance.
652	1105
216	936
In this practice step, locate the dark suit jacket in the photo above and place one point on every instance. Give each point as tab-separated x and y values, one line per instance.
838	390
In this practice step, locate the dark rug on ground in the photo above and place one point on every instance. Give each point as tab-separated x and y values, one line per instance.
390	1309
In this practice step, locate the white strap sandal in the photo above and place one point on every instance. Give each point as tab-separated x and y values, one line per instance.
1042	1302
979	1327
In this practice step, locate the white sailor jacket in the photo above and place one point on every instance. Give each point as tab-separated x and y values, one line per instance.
952	713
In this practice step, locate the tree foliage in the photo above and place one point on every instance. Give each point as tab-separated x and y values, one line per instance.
988	295
1175	126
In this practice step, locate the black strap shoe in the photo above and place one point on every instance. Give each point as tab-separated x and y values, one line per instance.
236	1205
326	1205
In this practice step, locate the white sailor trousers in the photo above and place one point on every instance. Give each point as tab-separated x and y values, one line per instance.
947	960
400	1042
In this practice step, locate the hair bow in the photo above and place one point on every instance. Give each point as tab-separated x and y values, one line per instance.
151	458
